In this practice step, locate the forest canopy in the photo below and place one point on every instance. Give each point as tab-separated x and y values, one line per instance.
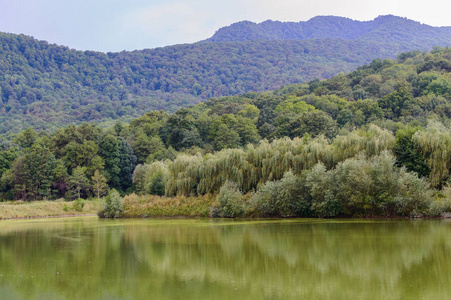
45	85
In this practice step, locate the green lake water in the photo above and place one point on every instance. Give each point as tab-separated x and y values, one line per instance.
88	258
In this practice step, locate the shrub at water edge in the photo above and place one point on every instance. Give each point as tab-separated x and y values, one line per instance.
229	202
113	206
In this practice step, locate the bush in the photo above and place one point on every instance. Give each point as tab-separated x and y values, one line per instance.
415	197
322	188
359	186
113	206
287	197
78	205
229	202
439	208
265	200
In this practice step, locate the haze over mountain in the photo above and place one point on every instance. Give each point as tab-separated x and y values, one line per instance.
46	85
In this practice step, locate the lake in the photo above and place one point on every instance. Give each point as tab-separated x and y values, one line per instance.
88	258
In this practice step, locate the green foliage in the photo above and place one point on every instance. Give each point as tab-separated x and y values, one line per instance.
226	138
264	201
435	144
44	85
7	157
150	178
34	172
284	198
78	204
157	150
157	186
229	201
407	154
26	138
314	123
99	184
142	146
383	29
394	103
140	177
78	184
359	186
113	206
295	105
60	184
308	149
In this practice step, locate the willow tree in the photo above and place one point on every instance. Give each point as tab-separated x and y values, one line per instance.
182	175
253	166
370	142
226	165
317	150
435	143
272	160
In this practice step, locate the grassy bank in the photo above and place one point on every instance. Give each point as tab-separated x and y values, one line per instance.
42	209
154	206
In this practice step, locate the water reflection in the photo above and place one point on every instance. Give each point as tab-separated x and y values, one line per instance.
87	258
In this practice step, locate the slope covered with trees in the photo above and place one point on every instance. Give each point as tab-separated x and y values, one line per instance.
371	142
45	85
383	29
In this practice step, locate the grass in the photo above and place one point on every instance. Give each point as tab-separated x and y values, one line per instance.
154	206
42	209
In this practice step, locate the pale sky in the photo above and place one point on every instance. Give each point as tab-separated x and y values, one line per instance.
116	25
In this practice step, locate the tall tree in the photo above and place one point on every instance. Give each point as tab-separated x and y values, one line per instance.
435	143
99	184
38	171
78	183
395	102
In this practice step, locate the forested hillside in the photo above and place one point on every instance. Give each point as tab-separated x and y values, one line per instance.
44	85
382	132
387	28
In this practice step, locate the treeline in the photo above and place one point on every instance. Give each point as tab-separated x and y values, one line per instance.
75	162
362	173
46	86
389	93
382	131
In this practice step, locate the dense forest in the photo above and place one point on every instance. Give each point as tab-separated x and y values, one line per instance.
371	142
387	28
45	86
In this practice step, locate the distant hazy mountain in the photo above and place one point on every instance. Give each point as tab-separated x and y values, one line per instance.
45	85
383	29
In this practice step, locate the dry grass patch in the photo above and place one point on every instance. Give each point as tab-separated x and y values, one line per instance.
155	206
37	209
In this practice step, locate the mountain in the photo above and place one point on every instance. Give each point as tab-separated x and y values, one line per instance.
45	85
383	29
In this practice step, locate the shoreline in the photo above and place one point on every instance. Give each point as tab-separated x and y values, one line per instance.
179	217
145	207
49	217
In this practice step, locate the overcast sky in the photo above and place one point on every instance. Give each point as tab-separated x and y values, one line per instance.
115	25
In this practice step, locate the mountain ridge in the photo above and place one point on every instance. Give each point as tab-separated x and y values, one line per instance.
318	27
